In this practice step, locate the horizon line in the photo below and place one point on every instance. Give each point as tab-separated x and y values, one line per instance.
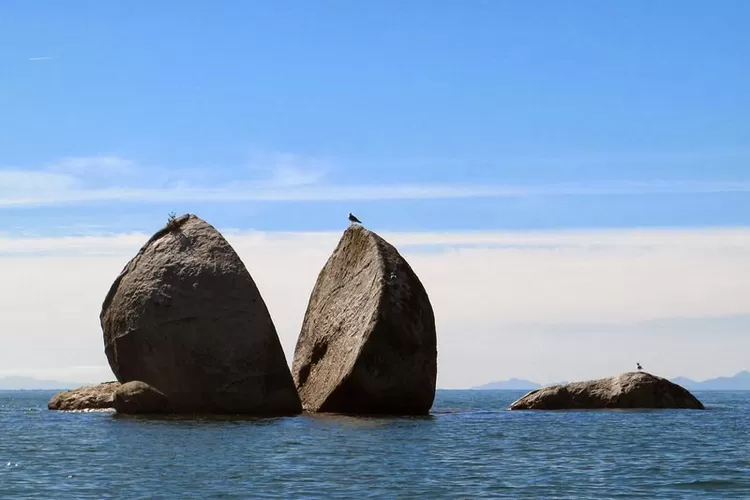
65	385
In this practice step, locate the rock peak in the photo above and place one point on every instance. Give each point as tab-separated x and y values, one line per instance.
186	318
368	341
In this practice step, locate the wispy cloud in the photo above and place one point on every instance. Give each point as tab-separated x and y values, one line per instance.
287	169
101	164
289	176
289	189
279	178
42	58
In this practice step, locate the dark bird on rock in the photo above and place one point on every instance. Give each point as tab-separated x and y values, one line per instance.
639	366
354	219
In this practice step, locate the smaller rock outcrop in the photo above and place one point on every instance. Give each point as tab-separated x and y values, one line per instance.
139	397
368	343
90	397
629	390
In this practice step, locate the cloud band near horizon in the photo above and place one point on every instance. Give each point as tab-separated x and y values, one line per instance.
541	305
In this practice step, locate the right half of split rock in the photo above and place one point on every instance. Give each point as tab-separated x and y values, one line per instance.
368	343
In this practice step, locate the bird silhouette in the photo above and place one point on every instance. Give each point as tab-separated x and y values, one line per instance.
638	365
354	219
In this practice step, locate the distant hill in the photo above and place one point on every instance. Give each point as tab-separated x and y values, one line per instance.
514	384
739	382
30	384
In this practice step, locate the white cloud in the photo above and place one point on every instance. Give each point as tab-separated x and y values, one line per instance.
103	164
291	191
541	305
293	176
18	184
275	177
287	169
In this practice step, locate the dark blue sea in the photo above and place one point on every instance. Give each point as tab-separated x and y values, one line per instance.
470	447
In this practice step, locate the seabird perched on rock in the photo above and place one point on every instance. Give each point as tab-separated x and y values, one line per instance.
354	219
638	365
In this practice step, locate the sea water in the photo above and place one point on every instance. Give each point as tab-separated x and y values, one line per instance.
471	446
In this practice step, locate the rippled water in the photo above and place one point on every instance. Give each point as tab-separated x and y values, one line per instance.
470	447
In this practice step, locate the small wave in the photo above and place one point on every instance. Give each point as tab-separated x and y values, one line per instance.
89	410
447	411
711	484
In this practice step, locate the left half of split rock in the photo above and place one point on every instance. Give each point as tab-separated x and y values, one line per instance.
186	318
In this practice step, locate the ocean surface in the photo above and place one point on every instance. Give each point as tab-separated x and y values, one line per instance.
470	447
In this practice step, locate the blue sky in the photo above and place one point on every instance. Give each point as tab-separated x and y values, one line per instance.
570	180
626	97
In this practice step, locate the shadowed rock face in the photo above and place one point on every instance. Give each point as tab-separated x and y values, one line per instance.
186	318
90	397
629	390
368	342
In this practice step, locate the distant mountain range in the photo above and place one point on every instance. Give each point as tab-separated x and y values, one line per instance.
33	384
514	384
739	382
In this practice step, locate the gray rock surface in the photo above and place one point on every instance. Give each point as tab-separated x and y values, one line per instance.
368	343
90	397
185	317
139	397
629	390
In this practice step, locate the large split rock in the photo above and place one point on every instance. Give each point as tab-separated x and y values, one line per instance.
186	318
368	342
90	397
629	390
